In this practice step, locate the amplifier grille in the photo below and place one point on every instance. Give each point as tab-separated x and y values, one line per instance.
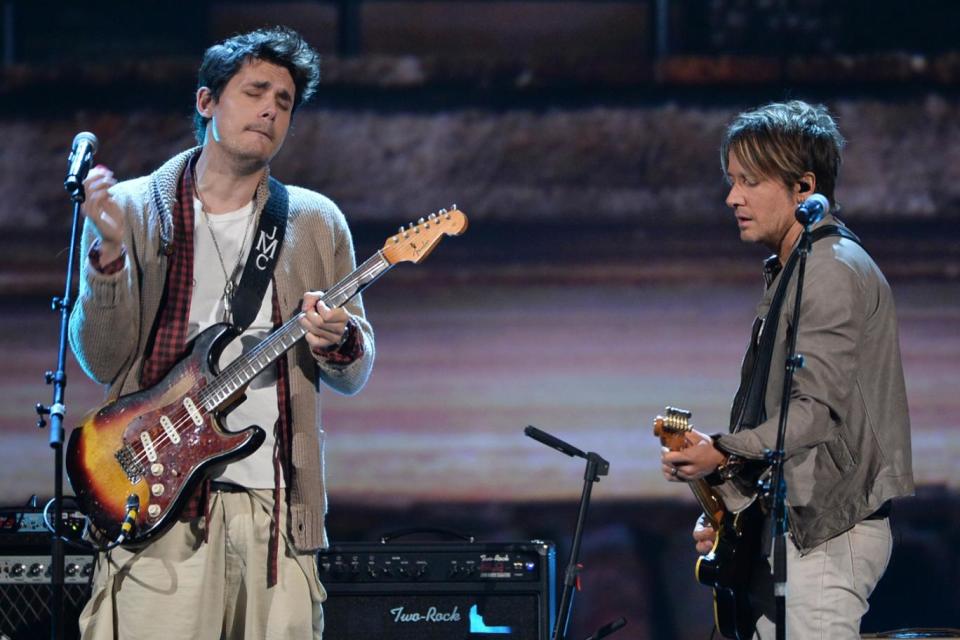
25	610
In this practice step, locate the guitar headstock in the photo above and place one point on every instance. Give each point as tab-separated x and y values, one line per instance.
415	242
672	429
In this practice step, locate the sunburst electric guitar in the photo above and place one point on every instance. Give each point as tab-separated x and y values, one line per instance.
152	447
727	567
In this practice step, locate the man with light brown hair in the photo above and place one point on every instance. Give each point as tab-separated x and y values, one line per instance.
847	447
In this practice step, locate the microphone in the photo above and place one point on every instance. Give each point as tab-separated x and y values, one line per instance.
81	155
554	442
812	210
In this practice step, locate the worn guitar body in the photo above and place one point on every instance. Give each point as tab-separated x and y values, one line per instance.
157	444
124	448
728	569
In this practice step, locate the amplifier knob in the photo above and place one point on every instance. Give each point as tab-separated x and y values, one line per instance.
17	570
88	569
72	569
421	569
36	569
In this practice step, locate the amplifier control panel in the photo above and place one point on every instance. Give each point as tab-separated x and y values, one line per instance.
36	569
440	562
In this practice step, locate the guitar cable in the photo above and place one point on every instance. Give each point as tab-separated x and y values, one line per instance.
85	542
130	520
77	544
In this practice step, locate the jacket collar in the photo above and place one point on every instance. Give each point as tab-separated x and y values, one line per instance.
163	194
772	266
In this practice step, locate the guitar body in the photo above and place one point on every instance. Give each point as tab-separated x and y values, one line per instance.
728	569
157	444
128	446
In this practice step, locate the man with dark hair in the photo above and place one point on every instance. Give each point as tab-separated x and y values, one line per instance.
847	449
165	255
279	46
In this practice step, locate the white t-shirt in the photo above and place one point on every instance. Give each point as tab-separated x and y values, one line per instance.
207	308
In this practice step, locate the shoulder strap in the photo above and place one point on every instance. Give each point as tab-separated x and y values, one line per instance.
748	407
262	257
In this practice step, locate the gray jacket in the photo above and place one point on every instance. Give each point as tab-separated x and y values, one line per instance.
848	431
114	315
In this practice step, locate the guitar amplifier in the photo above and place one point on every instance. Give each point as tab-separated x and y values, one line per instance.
439	590
25	589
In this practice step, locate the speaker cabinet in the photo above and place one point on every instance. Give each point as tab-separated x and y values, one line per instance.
26	594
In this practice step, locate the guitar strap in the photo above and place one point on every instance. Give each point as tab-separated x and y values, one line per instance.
262	257
748	405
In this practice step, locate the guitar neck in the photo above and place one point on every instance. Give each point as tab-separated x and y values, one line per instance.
709	501
241	371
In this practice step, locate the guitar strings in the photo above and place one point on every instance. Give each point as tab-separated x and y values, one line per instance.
181	417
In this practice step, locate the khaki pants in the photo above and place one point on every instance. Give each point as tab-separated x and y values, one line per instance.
179	587
827	589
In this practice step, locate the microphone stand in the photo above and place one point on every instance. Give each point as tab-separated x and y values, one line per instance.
56	411
778	486
596	467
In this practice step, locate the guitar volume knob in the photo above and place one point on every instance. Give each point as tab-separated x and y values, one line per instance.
153	510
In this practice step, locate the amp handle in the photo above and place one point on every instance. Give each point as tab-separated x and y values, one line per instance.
439	531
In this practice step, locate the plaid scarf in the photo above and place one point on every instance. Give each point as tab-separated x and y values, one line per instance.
168	346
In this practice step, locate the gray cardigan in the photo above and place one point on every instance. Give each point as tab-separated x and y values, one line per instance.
848	431
114	315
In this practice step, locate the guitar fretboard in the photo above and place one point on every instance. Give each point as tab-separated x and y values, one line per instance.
241	371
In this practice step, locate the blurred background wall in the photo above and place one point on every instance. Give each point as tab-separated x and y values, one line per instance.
601	278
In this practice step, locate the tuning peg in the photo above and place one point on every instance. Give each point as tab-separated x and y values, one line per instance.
453	207
431	216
